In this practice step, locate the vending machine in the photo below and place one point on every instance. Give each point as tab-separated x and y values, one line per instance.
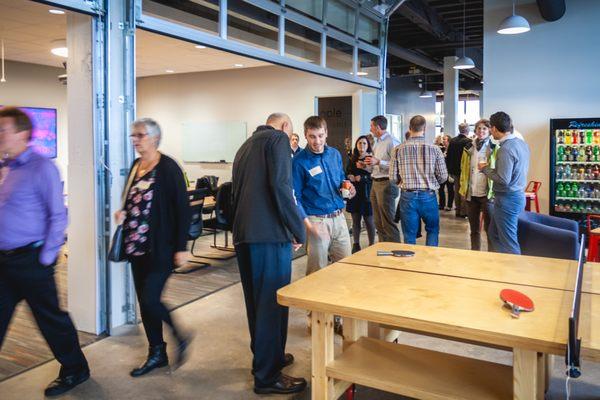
575	168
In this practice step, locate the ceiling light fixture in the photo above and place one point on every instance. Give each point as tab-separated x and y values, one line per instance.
169	71
59	48
362	73
514	24
56	12
464	62
238	65
199	46
3	78
424	93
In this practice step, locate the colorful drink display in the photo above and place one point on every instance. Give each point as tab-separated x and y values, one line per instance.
577	171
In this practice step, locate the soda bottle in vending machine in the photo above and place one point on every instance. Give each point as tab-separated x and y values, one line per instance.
596	151
574	137
567	190
588	153
560	136
596	137
574	189
569	138
574	153
560	153
589	136
595	172
560	190
568	173
568	150
582	136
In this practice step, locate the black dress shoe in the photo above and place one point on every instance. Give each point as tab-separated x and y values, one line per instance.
157	358
63	384
284	385
355	248
288	359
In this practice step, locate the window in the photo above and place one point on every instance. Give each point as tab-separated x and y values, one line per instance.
339	55
252	25
368	65
368	30
201	14
341	16
302	43
311	8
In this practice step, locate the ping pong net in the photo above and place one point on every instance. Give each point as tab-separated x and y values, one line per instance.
572	359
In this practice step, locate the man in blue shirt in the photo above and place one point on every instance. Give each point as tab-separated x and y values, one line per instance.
33	219
318	177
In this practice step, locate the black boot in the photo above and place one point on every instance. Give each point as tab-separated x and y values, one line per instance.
355	248
157	358
183	342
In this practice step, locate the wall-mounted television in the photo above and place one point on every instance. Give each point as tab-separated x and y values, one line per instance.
43	136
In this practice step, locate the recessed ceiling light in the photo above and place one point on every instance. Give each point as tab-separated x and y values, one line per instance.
238	65
169	71
59	48
56	12
199	46
362	73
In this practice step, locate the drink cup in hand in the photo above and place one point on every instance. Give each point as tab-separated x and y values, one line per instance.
345	189
482	163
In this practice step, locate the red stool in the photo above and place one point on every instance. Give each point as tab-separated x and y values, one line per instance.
594	239
350	392
531	194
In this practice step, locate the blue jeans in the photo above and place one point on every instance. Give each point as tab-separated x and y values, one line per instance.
415	206
504	220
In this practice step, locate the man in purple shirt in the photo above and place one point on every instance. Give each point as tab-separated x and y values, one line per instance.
33	219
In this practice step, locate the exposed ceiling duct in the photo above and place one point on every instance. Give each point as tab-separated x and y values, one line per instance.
552	10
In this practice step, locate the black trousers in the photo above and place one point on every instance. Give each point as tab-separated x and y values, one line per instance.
149	279
265	268
22	277
442	195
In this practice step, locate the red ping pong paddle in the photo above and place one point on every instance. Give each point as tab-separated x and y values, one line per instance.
516	301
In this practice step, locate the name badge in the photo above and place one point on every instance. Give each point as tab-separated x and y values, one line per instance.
315	171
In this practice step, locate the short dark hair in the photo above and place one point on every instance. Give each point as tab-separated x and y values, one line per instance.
21	120
380	121
315	122
417	123
501	121
484	122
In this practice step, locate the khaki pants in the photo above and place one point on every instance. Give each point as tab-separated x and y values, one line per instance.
384	198
332	243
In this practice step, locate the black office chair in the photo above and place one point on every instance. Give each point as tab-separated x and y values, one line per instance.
196	199
209	182
223	220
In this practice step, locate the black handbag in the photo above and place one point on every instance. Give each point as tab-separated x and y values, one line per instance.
116	253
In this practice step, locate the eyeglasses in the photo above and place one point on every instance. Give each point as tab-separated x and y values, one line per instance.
138	136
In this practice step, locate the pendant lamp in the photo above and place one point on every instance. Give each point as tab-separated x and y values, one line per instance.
514	24
464	62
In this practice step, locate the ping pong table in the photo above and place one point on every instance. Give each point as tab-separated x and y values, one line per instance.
447	293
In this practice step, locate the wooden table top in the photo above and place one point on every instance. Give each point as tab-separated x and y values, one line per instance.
507	268
209	201
447	305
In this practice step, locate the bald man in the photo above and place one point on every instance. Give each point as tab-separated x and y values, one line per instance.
266	226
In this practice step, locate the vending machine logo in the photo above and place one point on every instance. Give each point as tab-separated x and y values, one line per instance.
583	125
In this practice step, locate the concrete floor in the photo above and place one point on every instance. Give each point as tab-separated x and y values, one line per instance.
219	367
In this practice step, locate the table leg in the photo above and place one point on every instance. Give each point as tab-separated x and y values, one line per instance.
322	354
542	360
385	334
354	329
525	374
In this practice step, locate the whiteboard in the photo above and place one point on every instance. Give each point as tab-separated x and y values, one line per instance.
212	141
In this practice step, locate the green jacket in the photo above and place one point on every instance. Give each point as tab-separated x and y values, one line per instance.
465	170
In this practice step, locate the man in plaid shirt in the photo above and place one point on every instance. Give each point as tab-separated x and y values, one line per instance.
418	168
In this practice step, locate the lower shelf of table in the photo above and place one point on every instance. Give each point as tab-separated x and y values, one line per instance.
421	373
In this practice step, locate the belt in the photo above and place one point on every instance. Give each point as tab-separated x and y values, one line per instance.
418	190
332	215
381	179
21	250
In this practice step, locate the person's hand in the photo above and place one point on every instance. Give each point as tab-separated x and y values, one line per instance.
351	178
357	178
120	217
180	258
372	160
481	165
295	245
311	229
360	165
352	191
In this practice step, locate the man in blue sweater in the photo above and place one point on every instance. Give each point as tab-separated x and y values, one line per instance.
510	179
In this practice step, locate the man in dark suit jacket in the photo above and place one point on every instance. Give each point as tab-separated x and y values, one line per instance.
453	157
266	226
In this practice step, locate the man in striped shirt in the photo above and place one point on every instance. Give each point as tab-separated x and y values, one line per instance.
418	168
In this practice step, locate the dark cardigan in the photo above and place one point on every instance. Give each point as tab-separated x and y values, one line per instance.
169	213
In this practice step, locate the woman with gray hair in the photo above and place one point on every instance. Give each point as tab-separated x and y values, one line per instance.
156	221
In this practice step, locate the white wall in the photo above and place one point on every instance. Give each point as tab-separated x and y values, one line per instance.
32	85
249	95
551	71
